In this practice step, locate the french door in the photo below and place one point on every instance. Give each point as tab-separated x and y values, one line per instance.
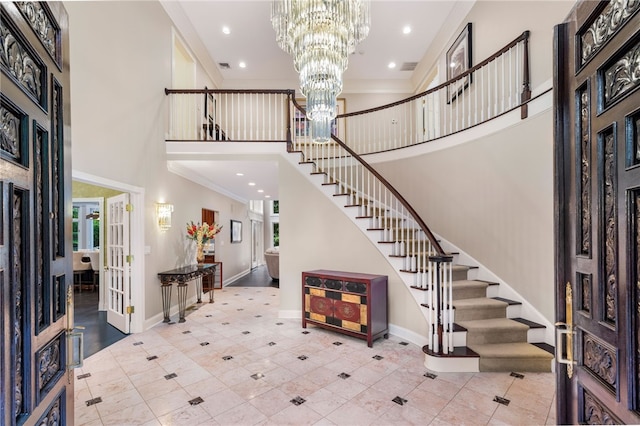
597	200
118	263
36	276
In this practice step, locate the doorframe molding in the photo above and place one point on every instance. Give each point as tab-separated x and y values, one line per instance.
136	198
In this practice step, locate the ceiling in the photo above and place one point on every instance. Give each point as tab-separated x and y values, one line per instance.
252	40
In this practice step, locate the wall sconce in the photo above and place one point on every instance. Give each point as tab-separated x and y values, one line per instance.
164	215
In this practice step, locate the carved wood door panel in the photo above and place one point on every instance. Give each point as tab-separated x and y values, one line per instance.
597	200
35	188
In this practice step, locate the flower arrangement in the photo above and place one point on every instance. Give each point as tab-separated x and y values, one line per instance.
201	234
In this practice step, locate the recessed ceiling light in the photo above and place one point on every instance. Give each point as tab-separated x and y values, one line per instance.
252	184
242	65
239	174
261	190
267	196
392	65
226	30
406	29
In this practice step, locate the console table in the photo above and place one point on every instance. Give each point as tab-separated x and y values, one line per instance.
182	276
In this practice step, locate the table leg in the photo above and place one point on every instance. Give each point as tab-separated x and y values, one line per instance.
182	300
166	301
199	288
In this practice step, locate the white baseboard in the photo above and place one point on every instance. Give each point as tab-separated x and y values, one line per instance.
408	335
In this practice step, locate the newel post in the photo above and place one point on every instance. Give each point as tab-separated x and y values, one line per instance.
443	340
526	83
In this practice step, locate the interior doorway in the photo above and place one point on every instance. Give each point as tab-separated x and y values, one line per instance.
90	186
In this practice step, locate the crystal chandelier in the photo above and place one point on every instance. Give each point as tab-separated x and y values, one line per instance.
320	35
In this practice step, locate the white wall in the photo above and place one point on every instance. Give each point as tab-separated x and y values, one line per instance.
120	66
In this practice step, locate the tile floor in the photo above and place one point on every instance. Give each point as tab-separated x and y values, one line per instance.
234	362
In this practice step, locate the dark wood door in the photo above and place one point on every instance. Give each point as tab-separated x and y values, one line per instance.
35	216
597	161
209	216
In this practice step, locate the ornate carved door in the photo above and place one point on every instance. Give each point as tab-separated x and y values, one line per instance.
597	161
35	217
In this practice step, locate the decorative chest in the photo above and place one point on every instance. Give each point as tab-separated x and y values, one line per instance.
347	302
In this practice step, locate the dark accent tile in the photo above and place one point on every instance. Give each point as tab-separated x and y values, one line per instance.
84	376
501	400
298	400
186	332
404	343
279	323
267	303
240	309
303	357
377	357
204	344
430	375
227	358
93	401
208	316
251	298
171	376
225	303
225	323
400	401
138	343
246	332
196	401
152	357
337	343
257	376
258	316
344	375
305	332
236	294
271	343
517	375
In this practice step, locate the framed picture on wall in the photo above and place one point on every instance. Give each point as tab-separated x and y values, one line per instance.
236	231
302	127
458	61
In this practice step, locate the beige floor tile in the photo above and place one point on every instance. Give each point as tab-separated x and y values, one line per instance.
244	414
134	390
324	402
458	414
271	402
186	416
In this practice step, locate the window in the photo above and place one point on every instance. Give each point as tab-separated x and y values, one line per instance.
276	234
276	206
86	226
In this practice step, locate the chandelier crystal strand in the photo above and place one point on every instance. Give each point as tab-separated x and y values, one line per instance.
320	35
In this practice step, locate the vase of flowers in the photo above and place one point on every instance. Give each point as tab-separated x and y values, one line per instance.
202	234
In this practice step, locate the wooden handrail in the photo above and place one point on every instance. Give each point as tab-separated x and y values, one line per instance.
522	37
248	91
391	188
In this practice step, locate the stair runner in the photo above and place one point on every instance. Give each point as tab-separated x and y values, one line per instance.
499	342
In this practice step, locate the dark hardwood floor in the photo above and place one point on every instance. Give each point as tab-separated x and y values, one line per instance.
258	277
98	334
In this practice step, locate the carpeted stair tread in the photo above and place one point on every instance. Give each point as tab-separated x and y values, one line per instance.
510	350
477	302
494	330
479	308
493	324
469	289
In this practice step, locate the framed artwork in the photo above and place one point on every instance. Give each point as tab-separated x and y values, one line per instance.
236	231
302	127
459	61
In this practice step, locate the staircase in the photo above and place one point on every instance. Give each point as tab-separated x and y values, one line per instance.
488	334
